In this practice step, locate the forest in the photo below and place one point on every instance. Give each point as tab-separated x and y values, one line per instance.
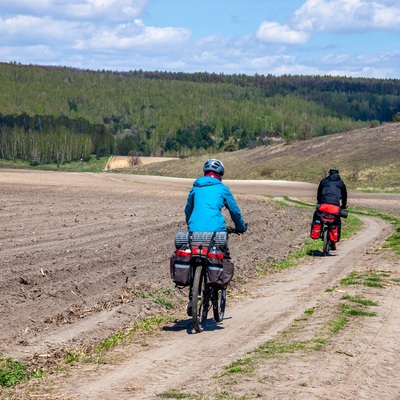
60	114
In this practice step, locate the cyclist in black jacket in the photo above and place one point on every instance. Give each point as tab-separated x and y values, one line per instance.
332	190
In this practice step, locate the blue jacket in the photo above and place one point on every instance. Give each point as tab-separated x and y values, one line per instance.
204	204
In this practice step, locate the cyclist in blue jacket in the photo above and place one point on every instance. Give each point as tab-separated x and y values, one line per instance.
204	204
207	198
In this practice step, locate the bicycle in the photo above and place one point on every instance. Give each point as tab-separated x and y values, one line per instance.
328	221
203	295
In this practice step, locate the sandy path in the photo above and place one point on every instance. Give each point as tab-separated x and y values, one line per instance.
168	363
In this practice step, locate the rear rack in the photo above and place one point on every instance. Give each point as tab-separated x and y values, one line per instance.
182	238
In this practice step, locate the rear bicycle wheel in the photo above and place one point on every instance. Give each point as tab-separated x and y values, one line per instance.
326	248
200	301
219	302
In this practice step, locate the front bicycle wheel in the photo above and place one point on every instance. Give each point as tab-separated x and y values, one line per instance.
219	302
326	248
200	300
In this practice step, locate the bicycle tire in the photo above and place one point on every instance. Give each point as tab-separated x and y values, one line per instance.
219	302
200	301
325	250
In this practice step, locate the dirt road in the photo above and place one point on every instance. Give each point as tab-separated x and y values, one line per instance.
83	255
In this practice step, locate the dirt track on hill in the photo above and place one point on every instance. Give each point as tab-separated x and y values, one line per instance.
84	255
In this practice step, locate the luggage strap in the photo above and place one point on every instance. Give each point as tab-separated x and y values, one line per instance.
210	244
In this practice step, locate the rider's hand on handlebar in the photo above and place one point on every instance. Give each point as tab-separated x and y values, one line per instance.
244	230
229	229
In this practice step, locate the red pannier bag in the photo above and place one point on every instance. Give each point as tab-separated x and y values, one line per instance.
180	269
220	270
329	208
315	230
334	234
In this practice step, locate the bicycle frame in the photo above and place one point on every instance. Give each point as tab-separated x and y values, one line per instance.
327	221
204	296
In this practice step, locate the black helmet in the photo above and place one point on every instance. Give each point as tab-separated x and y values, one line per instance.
214	166
334	170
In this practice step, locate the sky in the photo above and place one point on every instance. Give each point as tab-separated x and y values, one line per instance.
353	38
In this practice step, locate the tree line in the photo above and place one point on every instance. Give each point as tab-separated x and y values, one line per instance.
45	138
82	112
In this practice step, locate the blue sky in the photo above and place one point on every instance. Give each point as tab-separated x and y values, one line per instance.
358	38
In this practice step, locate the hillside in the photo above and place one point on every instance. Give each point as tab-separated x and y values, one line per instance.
367	158
83	112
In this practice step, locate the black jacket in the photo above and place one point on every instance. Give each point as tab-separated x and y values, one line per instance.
331	190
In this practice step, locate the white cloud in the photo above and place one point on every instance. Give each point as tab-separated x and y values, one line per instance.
112	35
31	53
45	31
38	31
112	10
118	10
347	15
271	61
336	58
272	32
136	36
377	65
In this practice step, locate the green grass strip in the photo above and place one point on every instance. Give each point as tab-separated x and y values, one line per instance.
14	372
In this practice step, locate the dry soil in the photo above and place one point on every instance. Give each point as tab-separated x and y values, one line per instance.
86	255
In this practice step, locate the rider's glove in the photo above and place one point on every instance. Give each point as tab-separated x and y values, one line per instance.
244	230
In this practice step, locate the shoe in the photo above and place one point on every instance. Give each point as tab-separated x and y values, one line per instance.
333	246
189	308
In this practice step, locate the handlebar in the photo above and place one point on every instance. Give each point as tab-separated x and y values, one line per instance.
230	229
220	238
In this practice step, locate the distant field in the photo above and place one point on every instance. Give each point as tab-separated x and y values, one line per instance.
368	159
118	162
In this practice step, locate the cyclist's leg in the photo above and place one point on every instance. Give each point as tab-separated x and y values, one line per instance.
189	306
338	224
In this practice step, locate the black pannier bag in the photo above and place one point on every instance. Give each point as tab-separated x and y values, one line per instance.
220	270
180	270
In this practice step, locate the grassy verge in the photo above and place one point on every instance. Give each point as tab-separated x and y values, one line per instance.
13	372
393	242
93	165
